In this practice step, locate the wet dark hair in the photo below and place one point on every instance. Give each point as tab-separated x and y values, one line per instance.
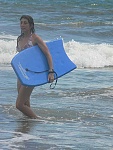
30	21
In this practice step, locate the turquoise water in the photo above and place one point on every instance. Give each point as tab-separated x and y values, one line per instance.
78	113
85	21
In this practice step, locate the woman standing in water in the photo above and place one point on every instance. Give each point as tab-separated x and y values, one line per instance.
27	39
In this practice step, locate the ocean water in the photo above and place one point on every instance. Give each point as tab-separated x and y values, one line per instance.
78	113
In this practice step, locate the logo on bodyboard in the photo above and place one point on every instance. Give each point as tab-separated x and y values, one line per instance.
23	71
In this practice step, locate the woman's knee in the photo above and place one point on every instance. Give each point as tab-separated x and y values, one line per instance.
23	97
19	105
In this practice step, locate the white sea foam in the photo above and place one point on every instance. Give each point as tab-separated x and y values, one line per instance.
84	55
16	138
7	49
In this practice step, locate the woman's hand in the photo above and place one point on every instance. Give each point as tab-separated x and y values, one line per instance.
51	77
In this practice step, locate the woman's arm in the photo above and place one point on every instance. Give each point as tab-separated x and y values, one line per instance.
37	40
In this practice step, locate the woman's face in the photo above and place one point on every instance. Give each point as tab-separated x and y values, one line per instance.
24	25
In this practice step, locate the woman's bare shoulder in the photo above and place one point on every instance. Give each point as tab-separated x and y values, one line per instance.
36	38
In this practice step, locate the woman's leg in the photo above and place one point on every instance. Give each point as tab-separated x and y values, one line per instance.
23	99
18	88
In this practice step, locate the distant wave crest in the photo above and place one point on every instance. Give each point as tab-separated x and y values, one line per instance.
84	55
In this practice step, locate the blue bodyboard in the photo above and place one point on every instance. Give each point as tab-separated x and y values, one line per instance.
31	67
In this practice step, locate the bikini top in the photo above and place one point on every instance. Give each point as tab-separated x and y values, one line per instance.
27	45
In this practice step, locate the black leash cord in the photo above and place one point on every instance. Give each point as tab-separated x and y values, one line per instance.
48	73
36	71
55	80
